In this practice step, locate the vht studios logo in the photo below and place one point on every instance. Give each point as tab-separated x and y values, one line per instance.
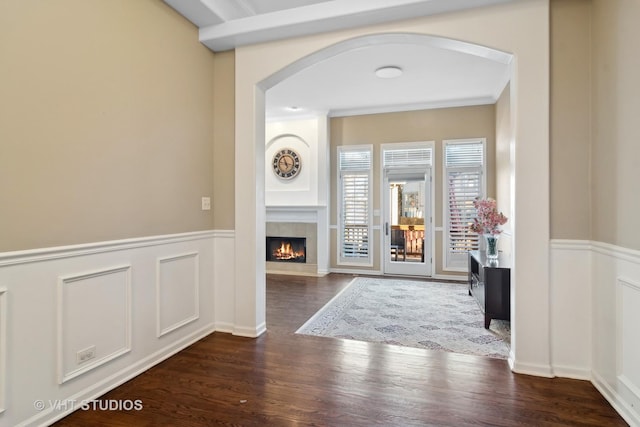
89	405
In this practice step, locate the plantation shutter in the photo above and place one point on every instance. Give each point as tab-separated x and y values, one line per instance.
464	165
355	182
407	157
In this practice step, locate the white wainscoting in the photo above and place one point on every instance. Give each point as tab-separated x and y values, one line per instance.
595	313
113	297
628	338
3	347
616	316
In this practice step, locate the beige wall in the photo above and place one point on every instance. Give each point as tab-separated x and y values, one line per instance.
616	123
595	100
224	105
426	125
106	126
570	118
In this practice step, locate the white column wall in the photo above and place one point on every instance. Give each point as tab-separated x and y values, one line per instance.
570	301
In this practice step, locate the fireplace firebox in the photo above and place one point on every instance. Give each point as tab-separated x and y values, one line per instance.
286	249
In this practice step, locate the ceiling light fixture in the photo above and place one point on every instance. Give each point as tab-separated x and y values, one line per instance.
293	108
389	72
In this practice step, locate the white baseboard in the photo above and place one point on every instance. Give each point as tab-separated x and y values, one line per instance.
356	271
450	277
362	272
250	332
572	372
296	273
224	327
531	369
626	411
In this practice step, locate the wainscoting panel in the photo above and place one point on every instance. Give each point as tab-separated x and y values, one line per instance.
615	320
77	321
3	347
94	320
628	337
177	292
570	308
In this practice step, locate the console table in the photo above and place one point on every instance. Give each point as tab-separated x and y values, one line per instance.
490	285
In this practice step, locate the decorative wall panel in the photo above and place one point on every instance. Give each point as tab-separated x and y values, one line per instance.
94	319
628	343
3	347
177	292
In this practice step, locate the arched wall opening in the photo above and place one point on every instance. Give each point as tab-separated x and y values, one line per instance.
521	30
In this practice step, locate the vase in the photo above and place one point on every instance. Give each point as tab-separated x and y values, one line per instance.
491	241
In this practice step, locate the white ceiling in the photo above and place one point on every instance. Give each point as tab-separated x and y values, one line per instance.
345	84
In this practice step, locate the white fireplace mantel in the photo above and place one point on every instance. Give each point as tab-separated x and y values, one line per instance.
308	214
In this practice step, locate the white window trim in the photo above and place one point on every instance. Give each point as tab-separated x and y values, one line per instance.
445	204
364	262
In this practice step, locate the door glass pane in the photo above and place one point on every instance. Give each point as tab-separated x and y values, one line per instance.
407	213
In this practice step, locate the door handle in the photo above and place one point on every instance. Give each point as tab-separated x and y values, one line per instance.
386	228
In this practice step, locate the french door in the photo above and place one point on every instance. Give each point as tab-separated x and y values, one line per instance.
407	222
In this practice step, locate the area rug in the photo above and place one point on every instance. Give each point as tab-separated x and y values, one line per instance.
429	315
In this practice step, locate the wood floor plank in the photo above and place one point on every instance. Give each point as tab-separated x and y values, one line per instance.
283	379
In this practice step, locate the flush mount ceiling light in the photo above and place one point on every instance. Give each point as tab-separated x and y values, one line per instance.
389	72
293	108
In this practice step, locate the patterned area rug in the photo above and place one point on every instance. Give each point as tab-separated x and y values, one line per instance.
430	315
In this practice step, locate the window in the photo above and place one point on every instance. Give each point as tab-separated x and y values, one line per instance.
354	204
464	168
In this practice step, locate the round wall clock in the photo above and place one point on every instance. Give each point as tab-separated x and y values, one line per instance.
286	163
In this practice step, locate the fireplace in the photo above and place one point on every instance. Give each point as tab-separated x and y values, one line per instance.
287	249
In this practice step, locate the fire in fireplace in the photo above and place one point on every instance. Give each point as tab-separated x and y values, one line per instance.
286	249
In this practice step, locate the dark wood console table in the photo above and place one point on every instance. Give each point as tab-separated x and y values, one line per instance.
490	285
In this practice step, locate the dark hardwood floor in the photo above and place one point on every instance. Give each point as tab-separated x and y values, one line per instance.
283	379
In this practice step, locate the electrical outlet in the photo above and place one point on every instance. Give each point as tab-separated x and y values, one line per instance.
206	203
85	355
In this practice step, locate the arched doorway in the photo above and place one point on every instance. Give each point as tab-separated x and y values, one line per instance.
529	94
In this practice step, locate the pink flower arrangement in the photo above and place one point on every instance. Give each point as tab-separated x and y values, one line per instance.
488	218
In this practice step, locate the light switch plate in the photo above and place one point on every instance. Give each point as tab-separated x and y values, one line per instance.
206	203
